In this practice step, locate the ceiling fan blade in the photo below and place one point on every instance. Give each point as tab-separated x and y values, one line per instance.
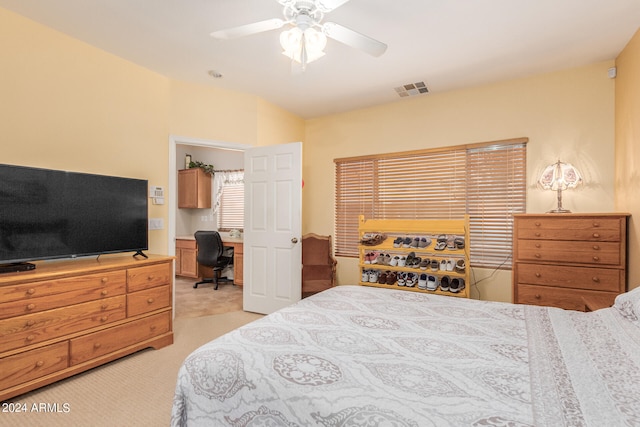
354	39
329	5
248	29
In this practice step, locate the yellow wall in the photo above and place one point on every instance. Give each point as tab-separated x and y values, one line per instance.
68	105
627	166
567	115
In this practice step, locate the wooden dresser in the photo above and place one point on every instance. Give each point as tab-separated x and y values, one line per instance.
560	259
66	317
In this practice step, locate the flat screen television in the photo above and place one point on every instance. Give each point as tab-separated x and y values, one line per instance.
46	214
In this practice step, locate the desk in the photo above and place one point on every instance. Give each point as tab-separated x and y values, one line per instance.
187	252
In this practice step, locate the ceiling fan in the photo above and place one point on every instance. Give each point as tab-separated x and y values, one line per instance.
306	39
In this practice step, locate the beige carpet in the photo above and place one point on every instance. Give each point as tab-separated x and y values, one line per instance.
133	391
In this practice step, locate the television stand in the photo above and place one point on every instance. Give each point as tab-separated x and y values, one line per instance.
16	267
140	253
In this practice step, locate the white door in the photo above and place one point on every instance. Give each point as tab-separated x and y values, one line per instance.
273	226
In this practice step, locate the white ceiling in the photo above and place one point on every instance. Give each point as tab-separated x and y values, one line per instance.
448	44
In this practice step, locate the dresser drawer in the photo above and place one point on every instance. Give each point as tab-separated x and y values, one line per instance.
601	279
148	277
107	288
186	244
38	327
78	284
104	342
570	299
148	300
598	253
558	228
33	364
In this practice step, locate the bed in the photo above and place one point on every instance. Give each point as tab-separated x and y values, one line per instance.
360	356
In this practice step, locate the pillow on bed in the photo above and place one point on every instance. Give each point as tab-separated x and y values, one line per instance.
628	304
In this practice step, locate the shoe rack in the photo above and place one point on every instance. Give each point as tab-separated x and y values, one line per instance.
444	241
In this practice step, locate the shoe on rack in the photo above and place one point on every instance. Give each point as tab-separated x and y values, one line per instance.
406	243
382	278
457	284
402	278
460	266
458	241
440	246
394	261
398	242
374	257
425	263
402	261
412	279
424	242
365	275
432	283
387	259
434	265
416	262
415	242
449	265
373	276
444	283
392	277
443	265
422	281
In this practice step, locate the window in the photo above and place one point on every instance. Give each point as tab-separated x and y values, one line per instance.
486	181
229	199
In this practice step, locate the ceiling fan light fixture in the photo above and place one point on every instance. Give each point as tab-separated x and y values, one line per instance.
303	46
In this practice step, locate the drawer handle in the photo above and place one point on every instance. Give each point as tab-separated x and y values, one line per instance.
596	224
537	296
596	235
538	275
596	258
150	277
537	234
104	318
104	280
31	306
104	306
538	255
31	337
104	292
97	345
596	247
596	279
538	245
150	300
152	327
31	291
537	224
39	363
30	323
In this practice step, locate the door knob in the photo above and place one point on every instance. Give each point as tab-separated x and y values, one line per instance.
294	240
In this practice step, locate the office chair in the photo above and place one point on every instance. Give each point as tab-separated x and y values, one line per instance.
210	254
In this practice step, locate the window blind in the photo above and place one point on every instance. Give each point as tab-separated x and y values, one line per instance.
486	181
231	209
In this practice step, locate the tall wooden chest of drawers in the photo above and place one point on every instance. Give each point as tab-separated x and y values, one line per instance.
558	259
69	316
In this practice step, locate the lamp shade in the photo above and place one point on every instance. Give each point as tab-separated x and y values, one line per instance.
558	177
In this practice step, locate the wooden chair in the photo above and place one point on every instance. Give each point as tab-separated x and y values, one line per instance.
318	264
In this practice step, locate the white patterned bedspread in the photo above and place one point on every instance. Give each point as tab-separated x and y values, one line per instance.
359	356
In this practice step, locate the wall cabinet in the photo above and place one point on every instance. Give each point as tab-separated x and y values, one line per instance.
194	189
416	255
561	259
66	317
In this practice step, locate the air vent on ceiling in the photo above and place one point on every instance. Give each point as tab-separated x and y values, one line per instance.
412	89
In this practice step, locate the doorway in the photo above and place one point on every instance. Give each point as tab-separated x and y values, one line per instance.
184	295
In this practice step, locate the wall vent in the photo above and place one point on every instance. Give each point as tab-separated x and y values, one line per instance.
412	89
